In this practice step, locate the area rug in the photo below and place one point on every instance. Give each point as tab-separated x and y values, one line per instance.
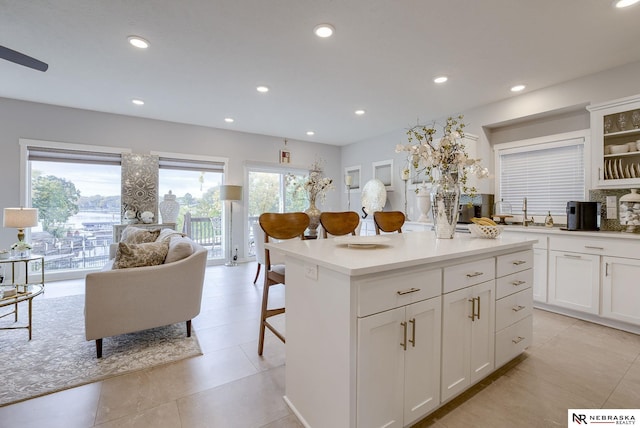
59	357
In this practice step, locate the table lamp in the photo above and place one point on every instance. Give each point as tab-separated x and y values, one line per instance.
20	218
231	193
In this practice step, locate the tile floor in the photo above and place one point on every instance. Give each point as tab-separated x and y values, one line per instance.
571	364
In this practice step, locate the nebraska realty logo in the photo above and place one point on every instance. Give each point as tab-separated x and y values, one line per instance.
581	417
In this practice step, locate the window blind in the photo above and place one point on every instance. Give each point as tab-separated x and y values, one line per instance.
548	177
191	164
50	154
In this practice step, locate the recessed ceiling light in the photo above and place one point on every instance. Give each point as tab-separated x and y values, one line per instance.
324	30
625	3
311	133
137	102
359	112
229	119
262	89
517	88
440	79
138	42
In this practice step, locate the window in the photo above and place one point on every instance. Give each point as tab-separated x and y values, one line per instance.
270	190
548	171
196	183
77	192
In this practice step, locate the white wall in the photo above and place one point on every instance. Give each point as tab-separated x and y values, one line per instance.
553	110
20	119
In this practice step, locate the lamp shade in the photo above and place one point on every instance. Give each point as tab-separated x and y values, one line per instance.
230	193
19	218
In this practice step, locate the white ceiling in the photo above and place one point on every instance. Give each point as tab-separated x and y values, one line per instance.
207	57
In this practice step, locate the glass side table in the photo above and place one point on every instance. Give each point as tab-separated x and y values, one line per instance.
29	261
30	292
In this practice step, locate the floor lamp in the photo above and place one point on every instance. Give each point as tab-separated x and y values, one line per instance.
231	193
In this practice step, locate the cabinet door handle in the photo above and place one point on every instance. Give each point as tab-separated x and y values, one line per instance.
518	282
518	308
404	343
519	262
473	309
593	248
518	339
471	275
478	316
572	256
412	321
410	290
606	269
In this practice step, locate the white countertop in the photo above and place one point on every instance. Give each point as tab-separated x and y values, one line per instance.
400	251
559	231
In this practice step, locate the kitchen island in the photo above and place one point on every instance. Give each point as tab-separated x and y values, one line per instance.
382	335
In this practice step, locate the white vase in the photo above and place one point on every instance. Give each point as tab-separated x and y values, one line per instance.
169	208
423	200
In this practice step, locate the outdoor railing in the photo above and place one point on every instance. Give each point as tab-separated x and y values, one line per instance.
206	231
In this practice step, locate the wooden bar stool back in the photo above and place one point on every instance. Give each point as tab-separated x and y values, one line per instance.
388	221
339	223
276	226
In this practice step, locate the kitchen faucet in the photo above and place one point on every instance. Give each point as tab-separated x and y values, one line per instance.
525	220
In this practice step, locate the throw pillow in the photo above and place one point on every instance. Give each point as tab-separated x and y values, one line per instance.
136	255
179	248
137	235
168	233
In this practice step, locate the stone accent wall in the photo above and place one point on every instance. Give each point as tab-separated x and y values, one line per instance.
139	184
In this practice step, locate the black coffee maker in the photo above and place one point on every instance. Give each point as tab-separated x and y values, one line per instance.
583	215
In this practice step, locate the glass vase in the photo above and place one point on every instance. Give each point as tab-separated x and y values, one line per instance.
314	216
445	199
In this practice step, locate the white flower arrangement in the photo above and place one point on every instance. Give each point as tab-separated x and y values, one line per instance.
21	246
448	154
315	185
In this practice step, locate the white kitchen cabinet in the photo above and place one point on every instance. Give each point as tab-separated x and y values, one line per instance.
399	365
621	289
540	262
574	280
468	330
614	124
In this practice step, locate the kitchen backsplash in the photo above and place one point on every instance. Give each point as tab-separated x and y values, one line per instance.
600	195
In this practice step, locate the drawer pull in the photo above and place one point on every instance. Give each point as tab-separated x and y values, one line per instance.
412	341
572	256
519	262
518	308
518	339
471	275
518	282
404	334
409	291
593	248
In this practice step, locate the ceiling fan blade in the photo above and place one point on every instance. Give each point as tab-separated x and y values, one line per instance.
22	59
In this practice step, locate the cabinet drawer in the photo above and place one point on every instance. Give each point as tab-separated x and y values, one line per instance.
379	293
513	340
513	308
513	283
515	262
596	245
467	274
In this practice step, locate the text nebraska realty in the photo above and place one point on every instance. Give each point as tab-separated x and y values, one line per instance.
610	419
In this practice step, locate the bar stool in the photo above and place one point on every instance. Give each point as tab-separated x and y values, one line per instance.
278	226
388	221
339	223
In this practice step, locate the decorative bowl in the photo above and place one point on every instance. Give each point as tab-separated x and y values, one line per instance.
620	148
487	232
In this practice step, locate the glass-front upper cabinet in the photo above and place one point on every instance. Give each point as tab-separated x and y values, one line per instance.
615	142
